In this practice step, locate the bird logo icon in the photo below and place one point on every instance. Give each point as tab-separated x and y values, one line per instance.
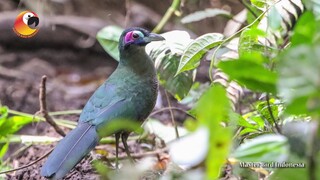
26	24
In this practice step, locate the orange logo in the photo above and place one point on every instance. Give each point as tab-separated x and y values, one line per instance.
26	24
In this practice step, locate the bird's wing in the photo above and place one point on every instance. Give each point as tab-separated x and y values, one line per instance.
105	105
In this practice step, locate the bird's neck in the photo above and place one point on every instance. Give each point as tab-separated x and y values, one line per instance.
137	60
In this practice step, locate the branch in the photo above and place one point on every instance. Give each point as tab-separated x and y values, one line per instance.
43	107
174	6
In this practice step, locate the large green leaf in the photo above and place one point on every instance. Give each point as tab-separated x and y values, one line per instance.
306	30
249	71
108	37
265	148
207	13
299	78
194	52
213	108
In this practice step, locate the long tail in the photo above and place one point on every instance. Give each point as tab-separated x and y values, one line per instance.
70	150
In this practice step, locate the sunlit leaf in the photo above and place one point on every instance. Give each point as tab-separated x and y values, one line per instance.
13	124
265	148
3	114
274	18
108	37
207	13
3	149
194	52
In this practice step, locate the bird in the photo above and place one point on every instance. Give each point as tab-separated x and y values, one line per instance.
26	24
129	93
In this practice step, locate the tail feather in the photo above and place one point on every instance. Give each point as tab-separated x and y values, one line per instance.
70	150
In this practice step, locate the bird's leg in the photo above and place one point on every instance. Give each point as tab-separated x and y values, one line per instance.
117	135
124	137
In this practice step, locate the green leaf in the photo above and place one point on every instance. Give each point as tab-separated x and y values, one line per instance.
3	149
194	52
248	42
292	173
262	4
263	110
108	38
207	13
13	124
212	109
3	114
299	79
259	3
305	31
249	72
265	148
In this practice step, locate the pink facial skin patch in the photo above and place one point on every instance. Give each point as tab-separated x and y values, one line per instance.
128	37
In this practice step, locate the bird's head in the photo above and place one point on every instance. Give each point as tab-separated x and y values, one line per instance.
137	37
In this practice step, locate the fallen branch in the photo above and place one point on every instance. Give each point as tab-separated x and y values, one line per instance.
43	107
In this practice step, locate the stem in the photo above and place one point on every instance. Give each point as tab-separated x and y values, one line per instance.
229	39
174	6
61	122
76	111
172	108
171	114
271	114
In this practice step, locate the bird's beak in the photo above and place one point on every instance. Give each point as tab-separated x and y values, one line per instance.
153	37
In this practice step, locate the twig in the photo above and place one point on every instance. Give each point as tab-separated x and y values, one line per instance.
174	6
28	165
171	114
43	107
140	155
271	114
172	108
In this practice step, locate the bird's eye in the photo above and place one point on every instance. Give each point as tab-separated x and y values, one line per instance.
135	35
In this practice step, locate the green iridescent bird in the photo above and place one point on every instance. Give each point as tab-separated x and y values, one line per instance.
129	93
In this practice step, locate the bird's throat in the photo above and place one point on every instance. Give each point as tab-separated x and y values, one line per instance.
136	59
